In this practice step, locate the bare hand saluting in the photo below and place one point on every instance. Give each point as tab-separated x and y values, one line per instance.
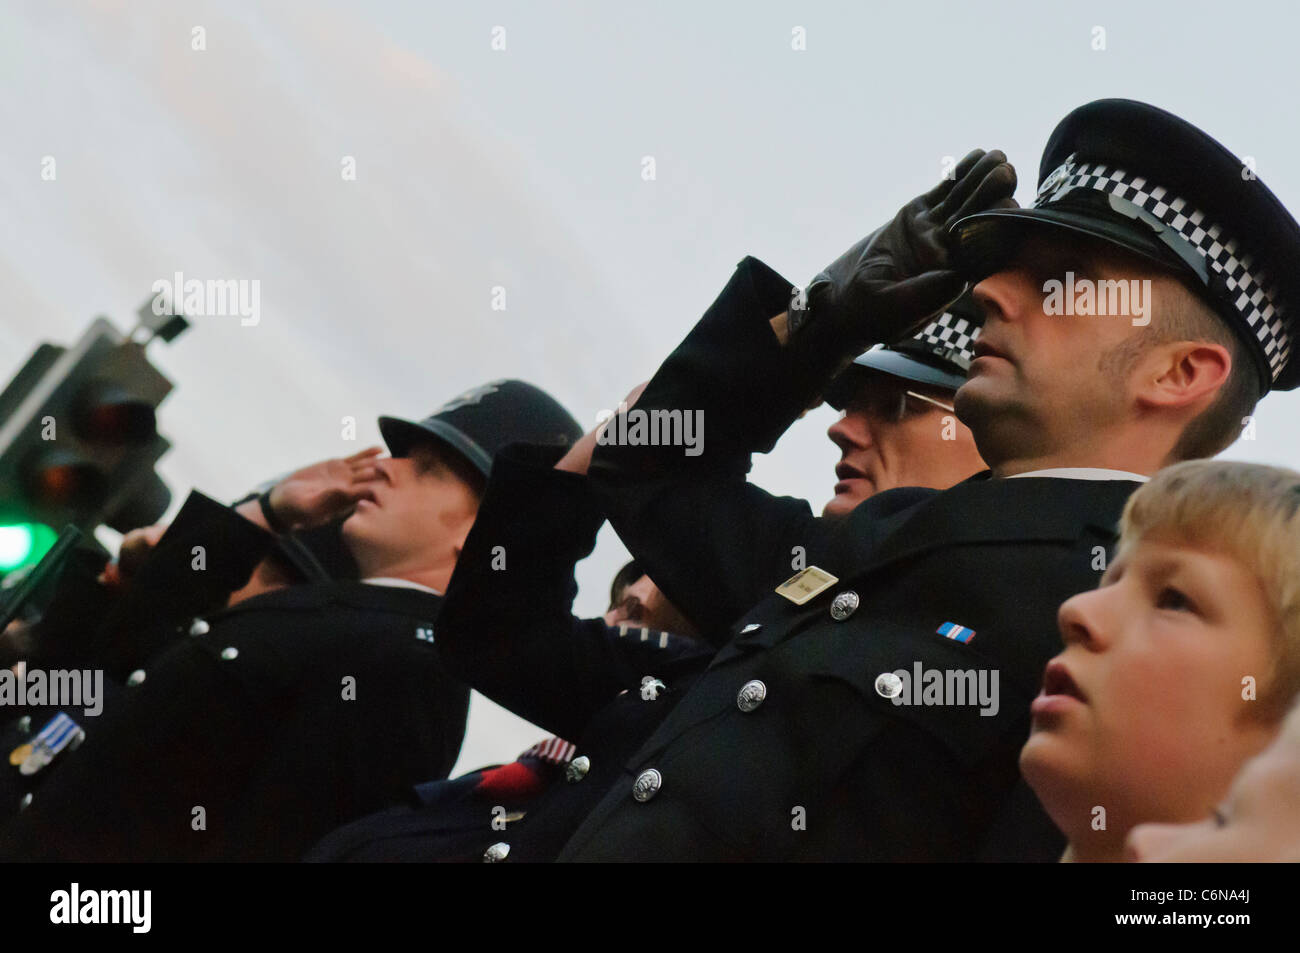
316	494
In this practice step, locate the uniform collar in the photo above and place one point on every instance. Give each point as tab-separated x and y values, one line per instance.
1082	473
400	583
411	598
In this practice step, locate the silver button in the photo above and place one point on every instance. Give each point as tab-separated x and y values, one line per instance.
844	605
577	768
752	627
751	695
25	802
496	853
199	627
651	687
888	685
136	677
25	724
647	785
229	653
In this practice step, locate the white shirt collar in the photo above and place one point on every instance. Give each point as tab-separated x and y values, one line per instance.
400	584
1083	473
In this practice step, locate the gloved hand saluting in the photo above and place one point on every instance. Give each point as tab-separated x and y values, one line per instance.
889	283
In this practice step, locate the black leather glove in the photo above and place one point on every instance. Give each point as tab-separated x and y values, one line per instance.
896	278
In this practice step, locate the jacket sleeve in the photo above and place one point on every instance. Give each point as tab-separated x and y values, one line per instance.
78	605
714	543
207	553
506	626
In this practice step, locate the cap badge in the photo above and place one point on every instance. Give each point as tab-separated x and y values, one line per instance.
470	397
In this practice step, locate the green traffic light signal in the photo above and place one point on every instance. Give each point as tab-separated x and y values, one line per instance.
23	544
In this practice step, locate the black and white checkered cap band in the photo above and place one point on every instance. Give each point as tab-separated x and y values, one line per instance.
1255	297
951	338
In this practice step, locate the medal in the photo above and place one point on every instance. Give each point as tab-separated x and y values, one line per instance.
61	732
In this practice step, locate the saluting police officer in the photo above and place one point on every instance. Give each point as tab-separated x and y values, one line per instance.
254	729
872	705
507	627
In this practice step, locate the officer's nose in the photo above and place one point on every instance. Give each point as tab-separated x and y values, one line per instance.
1006	295
385	468
850	432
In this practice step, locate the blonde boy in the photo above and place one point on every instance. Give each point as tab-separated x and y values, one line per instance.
1180	666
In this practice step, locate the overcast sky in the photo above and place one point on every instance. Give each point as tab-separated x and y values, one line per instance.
522	168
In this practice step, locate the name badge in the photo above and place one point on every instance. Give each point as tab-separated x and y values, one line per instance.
805	584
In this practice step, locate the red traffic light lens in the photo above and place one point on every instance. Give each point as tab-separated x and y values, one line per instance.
62	479
107	413
127	422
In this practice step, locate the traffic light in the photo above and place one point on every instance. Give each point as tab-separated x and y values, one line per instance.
79	440
23	545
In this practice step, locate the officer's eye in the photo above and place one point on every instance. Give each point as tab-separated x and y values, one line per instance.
1173	599
425	462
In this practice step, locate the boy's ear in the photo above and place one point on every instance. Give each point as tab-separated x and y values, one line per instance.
1183	374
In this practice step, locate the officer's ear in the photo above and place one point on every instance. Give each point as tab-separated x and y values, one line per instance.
461	533
1182	374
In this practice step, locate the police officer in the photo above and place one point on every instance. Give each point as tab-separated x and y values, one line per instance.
507	628
872	705
251	730
898	426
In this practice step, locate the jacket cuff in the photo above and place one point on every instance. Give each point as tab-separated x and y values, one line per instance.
525	490
168	587
733	372
202	521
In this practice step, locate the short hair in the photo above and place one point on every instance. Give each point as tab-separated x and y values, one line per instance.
1219	425
629	574
1186	315
1249	512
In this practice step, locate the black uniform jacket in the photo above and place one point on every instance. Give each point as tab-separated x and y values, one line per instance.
820	759
507	629
256	730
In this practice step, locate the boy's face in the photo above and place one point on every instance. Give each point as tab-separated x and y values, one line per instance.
1258	821
1142	713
